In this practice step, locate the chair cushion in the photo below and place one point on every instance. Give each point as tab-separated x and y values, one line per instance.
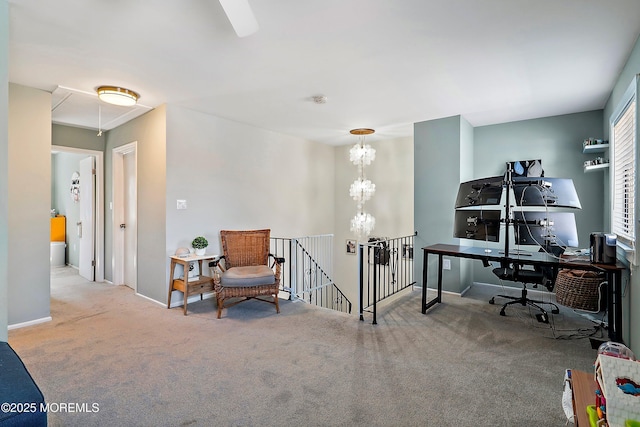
253	275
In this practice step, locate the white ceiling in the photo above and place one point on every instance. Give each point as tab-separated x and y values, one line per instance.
382	64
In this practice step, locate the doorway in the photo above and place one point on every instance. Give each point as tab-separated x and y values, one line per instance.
125	215
91	226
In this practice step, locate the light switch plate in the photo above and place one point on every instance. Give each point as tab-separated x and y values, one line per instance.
181	204
446	264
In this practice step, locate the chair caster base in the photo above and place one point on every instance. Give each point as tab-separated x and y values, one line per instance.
542	317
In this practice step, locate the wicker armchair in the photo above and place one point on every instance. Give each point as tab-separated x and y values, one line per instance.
245	270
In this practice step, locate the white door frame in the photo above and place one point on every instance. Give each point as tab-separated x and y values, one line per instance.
118	154
99	217
86	225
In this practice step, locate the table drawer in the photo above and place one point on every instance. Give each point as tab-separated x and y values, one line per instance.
201	287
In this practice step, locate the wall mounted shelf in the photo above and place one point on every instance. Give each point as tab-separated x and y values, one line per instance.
592	168
595	148
598	148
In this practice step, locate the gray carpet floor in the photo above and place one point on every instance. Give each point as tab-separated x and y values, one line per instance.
141	364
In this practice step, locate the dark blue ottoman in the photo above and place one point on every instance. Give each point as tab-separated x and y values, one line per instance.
20	398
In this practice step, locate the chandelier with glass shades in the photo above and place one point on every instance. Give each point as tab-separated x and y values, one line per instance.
362	189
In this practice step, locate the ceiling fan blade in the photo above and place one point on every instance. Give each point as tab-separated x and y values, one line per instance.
241	16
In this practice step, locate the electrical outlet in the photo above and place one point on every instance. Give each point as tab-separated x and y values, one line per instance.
446	264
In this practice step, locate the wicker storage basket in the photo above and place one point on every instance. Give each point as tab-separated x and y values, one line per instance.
579	289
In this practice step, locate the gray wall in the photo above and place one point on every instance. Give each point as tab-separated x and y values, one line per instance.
442	152
558	142
69	136
30	200
4	168
149	130
443	149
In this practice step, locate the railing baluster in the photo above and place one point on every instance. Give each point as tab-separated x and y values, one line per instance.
385	267
310	268
389	270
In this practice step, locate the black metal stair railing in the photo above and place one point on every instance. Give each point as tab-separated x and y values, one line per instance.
385	268
309	262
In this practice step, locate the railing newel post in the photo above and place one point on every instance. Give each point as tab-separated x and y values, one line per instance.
361	281
375	286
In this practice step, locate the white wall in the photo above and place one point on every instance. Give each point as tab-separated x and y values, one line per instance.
392	204
235	176
29	197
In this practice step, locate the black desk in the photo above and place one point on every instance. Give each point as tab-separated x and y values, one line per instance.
613	271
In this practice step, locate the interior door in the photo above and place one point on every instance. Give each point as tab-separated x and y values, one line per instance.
130	220
125	232
86	231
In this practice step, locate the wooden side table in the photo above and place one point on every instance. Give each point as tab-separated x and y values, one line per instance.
189	286
584	387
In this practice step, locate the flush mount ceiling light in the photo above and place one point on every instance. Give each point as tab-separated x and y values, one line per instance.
117	96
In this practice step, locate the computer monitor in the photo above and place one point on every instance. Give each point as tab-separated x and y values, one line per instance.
477	224
484	191
545	228
548	192
529	168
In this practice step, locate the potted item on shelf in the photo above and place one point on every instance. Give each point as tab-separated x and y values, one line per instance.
200	244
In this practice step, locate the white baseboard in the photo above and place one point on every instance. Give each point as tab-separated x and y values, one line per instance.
151	299
517	289
30	323
465	290
460	294
176	302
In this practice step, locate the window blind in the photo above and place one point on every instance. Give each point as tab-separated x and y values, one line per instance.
624	164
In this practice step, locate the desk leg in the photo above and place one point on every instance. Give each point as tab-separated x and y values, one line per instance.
614	306
618	320
438	298
425	265
440	262
172	269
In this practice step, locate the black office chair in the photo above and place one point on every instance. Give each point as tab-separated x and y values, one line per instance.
545	276
536	277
